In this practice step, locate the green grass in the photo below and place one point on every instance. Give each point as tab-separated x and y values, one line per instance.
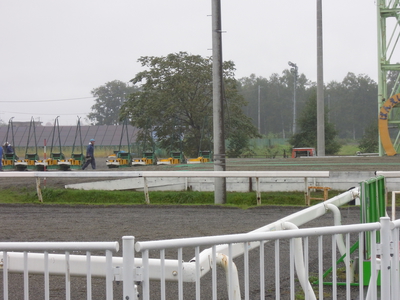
346	150
94	197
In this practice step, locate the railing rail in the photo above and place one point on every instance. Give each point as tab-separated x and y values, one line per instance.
302	250
30	261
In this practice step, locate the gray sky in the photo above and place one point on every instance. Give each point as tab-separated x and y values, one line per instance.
58	49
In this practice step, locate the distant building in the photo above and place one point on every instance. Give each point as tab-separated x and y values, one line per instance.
25	124
105	135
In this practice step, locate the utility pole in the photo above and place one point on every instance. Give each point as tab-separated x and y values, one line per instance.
320	85
294	71
218	104
259	108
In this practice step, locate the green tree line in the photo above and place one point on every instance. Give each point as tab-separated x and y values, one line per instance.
351	104
170	101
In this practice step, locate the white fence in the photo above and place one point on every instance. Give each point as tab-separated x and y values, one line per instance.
250	266
36	258
231	266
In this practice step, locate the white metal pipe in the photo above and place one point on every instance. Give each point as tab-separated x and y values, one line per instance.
361	238
277	271
67	277
395	264
337	221
306	264
162	272
291	268
59	246
262	269
388	174
372	289
349	267
88	276
180	274
128	262
197	255
320	267
109	275
5	276
214	272
26	275
256	236
385	257
334	268
394	204
46	276
299	262
231	273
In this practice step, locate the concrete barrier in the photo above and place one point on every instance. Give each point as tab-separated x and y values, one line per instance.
341	181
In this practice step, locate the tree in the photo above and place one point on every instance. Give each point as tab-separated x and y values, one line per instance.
175	98
307	135
109	99
275	95
369	142
353	104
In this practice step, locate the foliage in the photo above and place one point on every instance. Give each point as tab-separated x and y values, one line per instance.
274	96
272	152
355	93
238	143
307	134
109	99
353	104
369	142
174	103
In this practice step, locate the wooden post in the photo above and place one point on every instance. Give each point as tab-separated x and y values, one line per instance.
258	191
38	190
146	190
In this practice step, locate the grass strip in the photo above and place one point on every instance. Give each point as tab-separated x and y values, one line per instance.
96	197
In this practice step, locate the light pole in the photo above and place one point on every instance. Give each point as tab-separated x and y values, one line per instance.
259	108
293	70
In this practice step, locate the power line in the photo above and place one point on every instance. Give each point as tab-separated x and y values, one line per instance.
43	114
51	100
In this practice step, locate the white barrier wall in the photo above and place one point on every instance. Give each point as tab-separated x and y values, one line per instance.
337	180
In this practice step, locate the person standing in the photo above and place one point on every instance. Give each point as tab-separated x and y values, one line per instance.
8	148
90	155
1	159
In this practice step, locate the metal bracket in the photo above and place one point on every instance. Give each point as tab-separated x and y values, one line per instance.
378	249
138	275
117	272
391	249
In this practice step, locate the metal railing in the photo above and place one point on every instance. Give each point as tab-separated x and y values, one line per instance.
36	258
360	255
203	261
301	251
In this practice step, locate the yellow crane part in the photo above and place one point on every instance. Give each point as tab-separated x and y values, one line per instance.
383	124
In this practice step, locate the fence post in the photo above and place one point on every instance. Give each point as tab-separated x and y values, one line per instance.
258	191
128	264
385	257
146	190
39	190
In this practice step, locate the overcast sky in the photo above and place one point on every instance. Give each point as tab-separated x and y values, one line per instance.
58	50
